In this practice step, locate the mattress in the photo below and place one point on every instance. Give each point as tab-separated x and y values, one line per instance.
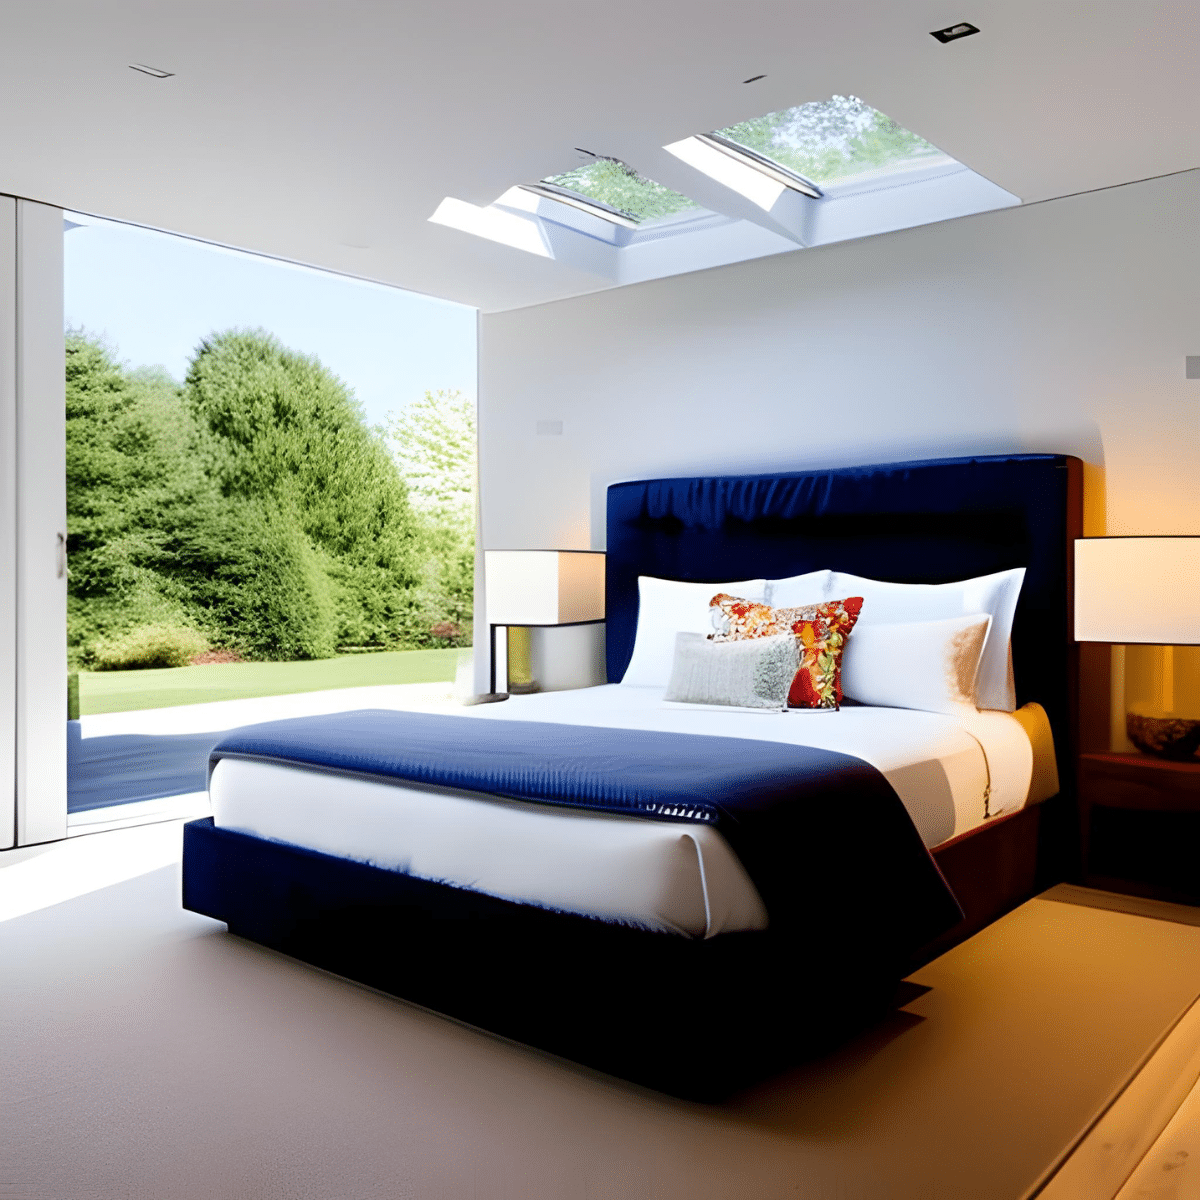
951	773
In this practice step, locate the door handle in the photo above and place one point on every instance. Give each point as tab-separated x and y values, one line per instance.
61	557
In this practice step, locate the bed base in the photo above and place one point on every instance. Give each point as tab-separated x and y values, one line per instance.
996	867
693	1018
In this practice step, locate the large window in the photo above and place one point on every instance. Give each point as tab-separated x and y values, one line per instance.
270	476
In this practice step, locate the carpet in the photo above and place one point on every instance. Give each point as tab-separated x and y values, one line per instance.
148	1054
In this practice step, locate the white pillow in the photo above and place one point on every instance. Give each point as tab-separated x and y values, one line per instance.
996	595
930	665
667	607
799	590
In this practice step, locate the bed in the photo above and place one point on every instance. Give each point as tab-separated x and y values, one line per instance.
690	956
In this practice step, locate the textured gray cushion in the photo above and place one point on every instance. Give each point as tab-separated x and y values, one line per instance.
754	673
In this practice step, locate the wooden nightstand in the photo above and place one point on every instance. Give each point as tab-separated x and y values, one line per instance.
1139	820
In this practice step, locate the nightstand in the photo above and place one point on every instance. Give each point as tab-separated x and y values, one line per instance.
1139	820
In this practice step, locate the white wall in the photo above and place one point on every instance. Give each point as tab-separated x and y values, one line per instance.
8	522
1061	326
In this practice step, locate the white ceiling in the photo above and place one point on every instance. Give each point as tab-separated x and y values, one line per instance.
327	132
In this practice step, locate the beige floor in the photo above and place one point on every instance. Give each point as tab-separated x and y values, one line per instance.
147	1054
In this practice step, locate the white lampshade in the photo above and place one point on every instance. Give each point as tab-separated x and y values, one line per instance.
543	587
1138	589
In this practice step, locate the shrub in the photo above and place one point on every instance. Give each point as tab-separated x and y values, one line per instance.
208	657
150	646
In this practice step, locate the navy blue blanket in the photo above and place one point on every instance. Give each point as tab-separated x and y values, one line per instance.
824	837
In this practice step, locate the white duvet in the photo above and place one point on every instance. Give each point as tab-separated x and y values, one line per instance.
950	772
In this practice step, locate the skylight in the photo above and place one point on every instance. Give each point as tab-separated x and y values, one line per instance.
816	173
832	140
616	191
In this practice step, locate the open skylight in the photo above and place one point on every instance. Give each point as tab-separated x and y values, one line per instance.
832	140
611	188
819	172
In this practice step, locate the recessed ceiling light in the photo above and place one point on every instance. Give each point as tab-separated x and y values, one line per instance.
156	72
953	32
754	79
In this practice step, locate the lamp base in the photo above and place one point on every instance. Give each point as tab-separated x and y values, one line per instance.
486	698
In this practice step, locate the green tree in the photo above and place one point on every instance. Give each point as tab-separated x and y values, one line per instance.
132	476
433	441
289	449
251	507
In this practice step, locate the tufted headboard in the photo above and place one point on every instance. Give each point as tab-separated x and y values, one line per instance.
913	522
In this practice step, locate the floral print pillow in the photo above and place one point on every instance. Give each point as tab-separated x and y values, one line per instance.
820	631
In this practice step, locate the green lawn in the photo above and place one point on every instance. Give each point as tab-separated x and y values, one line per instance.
126	691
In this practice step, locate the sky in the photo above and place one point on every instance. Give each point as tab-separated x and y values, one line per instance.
153	296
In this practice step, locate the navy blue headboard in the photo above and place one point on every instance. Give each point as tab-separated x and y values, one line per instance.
915	522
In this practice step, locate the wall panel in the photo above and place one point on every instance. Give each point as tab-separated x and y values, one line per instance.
1060	326
8	516
41	747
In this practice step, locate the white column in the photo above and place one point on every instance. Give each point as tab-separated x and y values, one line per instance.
41	527
8	521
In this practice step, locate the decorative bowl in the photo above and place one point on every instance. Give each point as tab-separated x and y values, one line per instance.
1164	737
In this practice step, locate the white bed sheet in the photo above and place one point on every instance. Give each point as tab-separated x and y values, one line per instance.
654	874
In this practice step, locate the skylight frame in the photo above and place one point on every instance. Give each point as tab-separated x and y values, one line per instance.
760	162
580	221
594	208
642	206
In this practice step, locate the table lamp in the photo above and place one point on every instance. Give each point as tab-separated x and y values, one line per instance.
540	588
1144	591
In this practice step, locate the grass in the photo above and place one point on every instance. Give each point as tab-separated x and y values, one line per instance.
127	691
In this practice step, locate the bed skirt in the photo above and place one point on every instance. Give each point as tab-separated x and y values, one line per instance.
697	1018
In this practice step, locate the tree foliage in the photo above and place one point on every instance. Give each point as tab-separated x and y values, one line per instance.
830	139
433	441
132	478
251	505
618	185
824	140
288	436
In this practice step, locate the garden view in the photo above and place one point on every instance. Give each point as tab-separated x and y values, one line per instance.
250	514
265	497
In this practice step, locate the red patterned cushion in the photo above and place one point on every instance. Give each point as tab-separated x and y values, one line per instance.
820	629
